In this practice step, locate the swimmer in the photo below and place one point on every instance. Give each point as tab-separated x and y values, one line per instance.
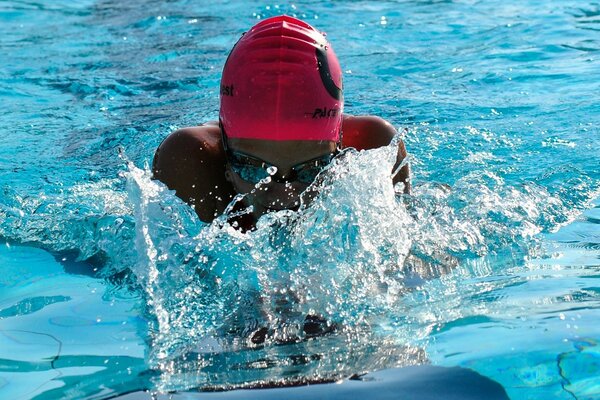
281	122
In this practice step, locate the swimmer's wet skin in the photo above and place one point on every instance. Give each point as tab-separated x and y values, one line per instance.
281	122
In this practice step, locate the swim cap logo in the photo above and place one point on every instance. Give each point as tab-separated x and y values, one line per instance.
226	90
324	112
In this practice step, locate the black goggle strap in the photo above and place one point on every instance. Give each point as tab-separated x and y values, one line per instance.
224	140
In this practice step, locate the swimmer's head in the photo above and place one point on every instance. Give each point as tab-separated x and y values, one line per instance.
282	81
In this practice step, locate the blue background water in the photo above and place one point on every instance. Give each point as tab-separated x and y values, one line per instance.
119	287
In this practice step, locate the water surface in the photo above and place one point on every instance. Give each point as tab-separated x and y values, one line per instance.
111	284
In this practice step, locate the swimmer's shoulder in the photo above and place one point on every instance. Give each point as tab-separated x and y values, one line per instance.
191	145
202	137
364	132
192	161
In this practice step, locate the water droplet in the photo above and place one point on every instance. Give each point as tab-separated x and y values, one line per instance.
272	170
262	182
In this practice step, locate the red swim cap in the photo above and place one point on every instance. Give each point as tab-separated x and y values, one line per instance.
282	81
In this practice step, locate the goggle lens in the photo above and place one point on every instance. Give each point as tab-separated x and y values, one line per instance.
250	173
254	170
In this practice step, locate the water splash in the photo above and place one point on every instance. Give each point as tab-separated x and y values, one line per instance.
370	270
373	272
372	265
91	220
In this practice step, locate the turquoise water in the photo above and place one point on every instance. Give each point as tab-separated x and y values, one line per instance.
111	285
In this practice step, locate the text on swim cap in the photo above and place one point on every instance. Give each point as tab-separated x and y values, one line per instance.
324	112
226	90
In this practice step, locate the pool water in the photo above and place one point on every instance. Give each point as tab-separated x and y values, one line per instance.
111	285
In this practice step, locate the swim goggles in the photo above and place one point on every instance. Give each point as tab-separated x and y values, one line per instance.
253	169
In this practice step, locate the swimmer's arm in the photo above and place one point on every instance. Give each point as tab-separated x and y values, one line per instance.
191	162
370	132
